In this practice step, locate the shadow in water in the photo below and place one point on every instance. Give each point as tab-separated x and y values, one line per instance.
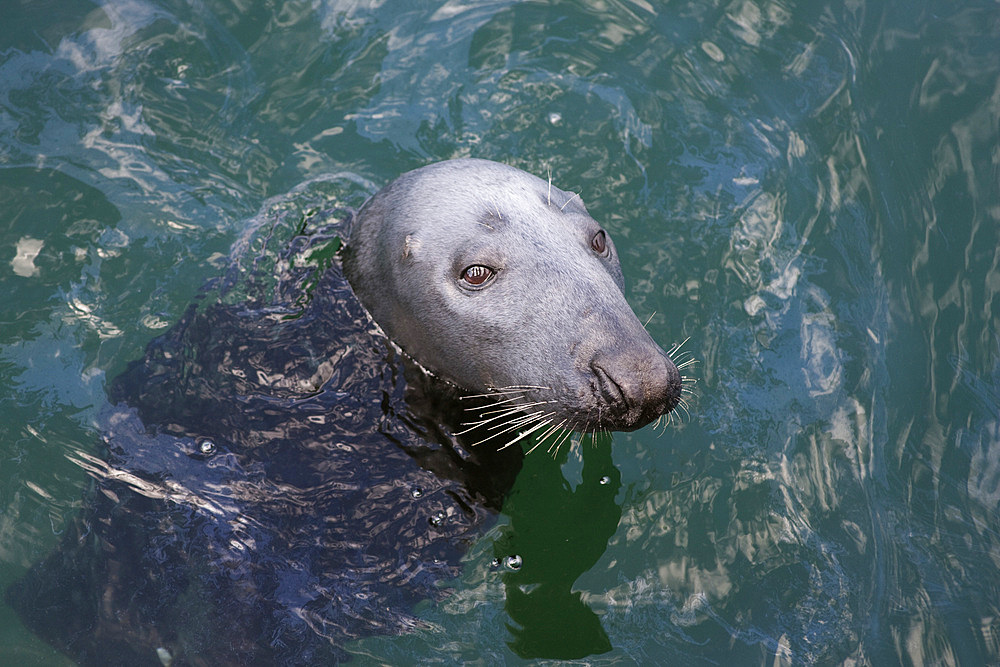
546	547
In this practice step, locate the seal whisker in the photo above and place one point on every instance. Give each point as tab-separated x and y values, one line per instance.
522	386
512	389
526	418
684	357
688	385
557	445
542	437
568	440
523	421
553	449
598	433
586	420
676	417
507	404
676	347
517	420
646	324
525	434
496	207
681	358
515	408
575	195
561	426
540	440
510	412
520	421
473	408
663	422
482	422
490	394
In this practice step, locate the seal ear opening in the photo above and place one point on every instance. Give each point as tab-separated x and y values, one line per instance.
411	245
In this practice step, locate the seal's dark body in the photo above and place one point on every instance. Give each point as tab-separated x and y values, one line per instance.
269	492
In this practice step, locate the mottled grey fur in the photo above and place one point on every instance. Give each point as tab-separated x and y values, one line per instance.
552	321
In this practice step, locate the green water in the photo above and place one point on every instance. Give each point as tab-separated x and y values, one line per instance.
807	192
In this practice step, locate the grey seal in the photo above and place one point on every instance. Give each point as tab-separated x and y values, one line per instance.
502	284
274	480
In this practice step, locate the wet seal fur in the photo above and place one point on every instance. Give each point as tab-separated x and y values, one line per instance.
278	480
503	284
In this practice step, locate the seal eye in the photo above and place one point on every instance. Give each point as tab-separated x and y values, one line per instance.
477	275
600	242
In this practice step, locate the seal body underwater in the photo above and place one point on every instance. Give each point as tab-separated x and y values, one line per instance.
278	479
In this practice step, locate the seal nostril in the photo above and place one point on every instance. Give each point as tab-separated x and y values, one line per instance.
635	386
611	391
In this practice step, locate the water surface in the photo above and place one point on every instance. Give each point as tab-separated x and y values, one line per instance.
806	192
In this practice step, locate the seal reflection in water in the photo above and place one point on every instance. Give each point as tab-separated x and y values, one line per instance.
280	479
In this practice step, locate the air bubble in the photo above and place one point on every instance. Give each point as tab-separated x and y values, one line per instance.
206	447
166	658
513	563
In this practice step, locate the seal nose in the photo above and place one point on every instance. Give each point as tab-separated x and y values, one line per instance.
636	385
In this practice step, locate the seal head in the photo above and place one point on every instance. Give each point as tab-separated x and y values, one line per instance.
499	282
